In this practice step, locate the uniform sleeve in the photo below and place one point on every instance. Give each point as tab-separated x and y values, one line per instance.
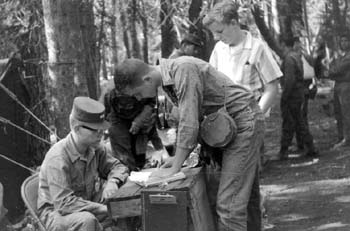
189	90
110	167
60	187
289	76
142	118
267	65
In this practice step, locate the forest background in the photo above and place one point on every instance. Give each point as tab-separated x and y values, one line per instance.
68	47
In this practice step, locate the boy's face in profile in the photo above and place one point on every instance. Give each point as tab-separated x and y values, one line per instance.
225	32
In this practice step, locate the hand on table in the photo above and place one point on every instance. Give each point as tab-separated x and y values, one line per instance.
168	162
110	188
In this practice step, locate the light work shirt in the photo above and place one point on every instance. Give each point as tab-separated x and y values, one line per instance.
198	90
249	64
67	180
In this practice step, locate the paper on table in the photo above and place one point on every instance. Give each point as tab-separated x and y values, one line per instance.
144	179
139	176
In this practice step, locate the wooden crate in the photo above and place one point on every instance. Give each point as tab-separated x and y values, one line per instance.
127	201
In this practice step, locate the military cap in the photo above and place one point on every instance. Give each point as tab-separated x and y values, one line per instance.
89	112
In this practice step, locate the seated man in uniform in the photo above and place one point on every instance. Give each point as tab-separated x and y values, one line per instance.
68	196
199	90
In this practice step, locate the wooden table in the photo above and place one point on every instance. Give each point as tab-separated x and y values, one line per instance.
127	202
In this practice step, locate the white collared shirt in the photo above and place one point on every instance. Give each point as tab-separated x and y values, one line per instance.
249	64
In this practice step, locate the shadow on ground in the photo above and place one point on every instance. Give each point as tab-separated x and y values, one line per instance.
305	194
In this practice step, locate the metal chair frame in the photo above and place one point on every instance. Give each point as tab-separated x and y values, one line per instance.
29	193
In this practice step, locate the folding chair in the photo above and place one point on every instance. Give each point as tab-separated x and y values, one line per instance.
29	192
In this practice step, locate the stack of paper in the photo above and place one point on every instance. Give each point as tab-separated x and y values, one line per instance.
144	179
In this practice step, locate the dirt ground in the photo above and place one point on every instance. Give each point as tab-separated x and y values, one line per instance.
305	194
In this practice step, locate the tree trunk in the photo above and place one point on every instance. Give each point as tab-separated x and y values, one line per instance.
71	51
194	11
101	48
291	18
135	45
114	33
339	24
90	52
168	32
125	29
265	31
103	63
144	22
306	20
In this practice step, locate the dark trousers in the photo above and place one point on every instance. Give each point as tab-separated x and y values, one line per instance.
304	111
128	148
293	120
342	109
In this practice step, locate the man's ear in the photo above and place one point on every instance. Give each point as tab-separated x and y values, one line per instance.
147	79
234	22
76	128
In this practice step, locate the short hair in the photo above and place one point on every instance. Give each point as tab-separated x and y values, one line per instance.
130	73
223	12
193	39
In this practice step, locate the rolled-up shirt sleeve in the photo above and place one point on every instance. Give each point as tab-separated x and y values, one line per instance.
189	90
267	66
110	167
61	190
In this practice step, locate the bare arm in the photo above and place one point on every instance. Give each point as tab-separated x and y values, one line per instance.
269	95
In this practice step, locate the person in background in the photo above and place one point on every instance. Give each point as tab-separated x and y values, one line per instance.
338	69
133	125
246	60
310	90
199	90
67	194
191	45
292	99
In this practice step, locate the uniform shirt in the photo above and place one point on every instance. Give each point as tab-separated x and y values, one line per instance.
293	77
339	70
249	64
198	89
176	53
67	180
